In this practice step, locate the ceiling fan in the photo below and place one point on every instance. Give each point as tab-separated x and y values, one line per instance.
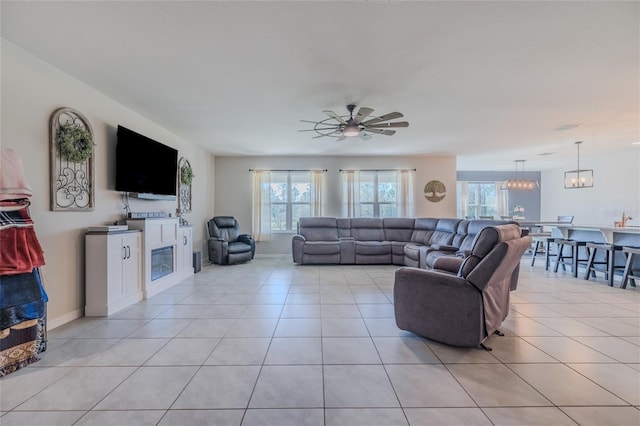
349	126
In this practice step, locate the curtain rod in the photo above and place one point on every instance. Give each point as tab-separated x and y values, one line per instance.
377	170
282	170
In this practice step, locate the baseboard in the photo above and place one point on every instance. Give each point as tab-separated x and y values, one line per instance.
57	322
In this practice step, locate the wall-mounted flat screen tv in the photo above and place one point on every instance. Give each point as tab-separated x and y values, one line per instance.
145	168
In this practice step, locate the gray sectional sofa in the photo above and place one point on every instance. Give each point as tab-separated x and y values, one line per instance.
455	276
465	308
420	242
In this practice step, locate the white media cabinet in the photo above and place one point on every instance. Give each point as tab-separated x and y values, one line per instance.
159	234
124	267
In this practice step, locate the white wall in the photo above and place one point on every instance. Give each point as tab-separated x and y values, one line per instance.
233	183
616	189
31	91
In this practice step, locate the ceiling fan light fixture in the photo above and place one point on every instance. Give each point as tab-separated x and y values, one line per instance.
361	124
351	130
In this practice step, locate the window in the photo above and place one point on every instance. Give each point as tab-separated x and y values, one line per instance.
282	197
377	193
290	199
478	199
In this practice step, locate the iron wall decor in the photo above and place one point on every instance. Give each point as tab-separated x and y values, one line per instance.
72	163
435	191
185	178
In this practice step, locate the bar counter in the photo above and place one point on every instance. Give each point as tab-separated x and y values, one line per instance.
623	236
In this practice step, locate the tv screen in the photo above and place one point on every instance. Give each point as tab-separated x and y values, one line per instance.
145	168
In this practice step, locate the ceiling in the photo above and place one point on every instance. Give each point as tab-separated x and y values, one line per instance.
490	82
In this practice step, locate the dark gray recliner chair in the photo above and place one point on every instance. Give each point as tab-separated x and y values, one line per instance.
226	244
464	308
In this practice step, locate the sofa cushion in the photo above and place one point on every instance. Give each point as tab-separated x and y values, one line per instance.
224	227
397	247
372	248
444	232
367	229
423	228
462	230
319	228
239	247
398	229
412	254
321	247
344	227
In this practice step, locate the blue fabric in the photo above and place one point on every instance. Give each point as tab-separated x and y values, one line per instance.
22	298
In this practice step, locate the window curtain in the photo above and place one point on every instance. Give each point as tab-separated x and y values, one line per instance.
463	199
317	192
404	194
261	209
350	193
502	200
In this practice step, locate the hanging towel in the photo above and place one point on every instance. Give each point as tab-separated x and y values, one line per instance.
13	183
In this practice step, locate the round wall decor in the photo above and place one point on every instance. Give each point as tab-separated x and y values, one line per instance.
434	191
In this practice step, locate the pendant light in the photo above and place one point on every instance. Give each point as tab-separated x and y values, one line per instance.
579	178
520	184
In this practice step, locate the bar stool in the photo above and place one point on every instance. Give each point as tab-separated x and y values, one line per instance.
629	273
574	256
608	260
542	245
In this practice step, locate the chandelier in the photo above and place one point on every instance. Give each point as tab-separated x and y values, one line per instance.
579	178
520	183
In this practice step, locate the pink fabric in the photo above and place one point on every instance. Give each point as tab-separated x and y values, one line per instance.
13	183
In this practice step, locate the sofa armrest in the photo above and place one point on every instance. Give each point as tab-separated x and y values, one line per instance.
448	263
297	242
422	279
248	239
218	250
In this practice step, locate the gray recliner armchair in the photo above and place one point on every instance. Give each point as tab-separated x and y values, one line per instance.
226	244
463	308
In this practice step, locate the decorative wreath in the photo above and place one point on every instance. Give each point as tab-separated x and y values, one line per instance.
76	143
186	175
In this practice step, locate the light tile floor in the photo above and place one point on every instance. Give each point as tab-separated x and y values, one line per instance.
272	343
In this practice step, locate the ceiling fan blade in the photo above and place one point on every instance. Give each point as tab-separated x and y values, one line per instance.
386	125
365	136
381	131
335	116
390	116
321	129
363	113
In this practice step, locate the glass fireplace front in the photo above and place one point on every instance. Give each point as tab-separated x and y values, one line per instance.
161	262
